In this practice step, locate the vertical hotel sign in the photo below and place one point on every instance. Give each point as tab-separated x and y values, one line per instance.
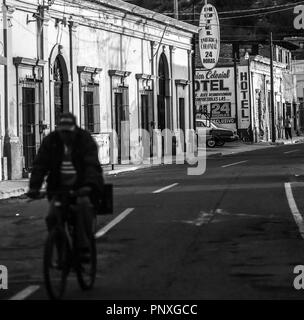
243	98
209	36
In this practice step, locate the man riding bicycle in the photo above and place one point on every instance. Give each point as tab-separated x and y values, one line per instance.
68	157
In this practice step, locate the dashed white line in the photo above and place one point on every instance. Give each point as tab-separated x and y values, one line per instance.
294	209
25	293
114	222
291	151
234	164
165	188
32	289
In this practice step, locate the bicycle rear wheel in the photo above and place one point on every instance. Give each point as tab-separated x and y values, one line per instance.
56	263
86	270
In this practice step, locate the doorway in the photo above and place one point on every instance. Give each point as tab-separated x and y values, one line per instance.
88	111
122	124
182	125
29	127
147	122
163	99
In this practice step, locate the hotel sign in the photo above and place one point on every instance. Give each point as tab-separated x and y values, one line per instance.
215	95
209	36
243	98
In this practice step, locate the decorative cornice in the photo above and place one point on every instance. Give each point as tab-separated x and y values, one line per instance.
73	25
29	62
119	73
143	76
172	48
154	44
81	69
10	10
182	82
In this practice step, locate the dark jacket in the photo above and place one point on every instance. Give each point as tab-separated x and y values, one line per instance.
84	157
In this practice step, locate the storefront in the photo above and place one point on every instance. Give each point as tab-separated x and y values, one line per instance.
116	66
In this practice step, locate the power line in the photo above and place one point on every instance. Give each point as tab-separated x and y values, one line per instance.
256	11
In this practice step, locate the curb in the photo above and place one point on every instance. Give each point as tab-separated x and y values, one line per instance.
12	194
118	171
217	154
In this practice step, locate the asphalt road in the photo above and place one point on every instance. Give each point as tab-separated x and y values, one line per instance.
231	233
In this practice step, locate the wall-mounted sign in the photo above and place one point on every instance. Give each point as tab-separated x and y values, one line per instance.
209	36
215	95
243	98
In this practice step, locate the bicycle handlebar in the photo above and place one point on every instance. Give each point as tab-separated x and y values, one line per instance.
71	193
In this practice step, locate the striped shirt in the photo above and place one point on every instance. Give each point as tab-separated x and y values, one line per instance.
67	169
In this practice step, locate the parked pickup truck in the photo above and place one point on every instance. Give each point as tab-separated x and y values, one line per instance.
215	135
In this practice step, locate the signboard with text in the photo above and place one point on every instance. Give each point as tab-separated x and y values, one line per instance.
243	98
209	36
215	95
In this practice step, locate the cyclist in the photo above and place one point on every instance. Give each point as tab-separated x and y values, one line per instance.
68	157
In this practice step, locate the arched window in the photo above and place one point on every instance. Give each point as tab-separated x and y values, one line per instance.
61	87
163	103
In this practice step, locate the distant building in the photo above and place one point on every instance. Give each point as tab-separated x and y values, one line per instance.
249	103
298	72
105	61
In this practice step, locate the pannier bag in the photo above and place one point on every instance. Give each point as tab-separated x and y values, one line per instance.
106	200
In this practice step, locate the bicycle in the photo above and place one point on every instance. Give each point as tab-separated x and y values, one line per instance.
61	254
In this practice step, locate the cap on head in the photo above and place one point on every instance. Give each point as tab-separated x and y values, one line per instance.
67	122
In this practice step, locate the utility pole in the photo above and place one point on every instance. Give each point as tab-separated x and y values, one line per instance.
194	39
273	134
176	9
235	52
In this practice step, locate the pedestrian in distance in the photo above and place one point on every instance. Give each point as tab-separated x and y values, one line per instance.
287	125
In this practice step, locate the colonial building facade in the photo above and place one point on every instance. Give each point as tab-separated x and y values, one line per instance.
106	62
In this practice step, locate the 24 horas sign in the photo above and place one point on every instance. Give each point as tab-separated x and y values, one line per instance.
215	95
209	36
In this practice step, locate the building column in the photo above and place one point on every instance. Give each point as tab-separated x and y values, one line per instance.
12	145
154	46
45	114
174	102
191	107
73	69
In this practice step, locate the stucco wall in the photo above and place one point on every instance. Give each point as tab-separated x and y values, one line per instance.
103	37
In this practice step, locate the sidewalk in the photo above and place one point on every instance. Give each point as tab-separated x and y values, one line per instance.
15	188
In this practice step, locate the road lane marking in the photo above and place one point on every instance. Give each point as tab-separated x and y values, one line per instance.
114	222
165	188
31	289
294	209
25	293
291	151
234	164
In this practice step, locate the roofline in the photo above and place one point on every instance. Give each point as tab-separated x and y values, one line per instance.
148	14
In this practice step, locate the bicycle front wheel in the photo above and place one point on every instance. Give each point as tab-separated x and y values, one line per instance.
56	263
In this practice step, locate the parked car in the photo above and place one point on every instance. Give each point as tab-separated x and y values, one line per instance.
215	135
